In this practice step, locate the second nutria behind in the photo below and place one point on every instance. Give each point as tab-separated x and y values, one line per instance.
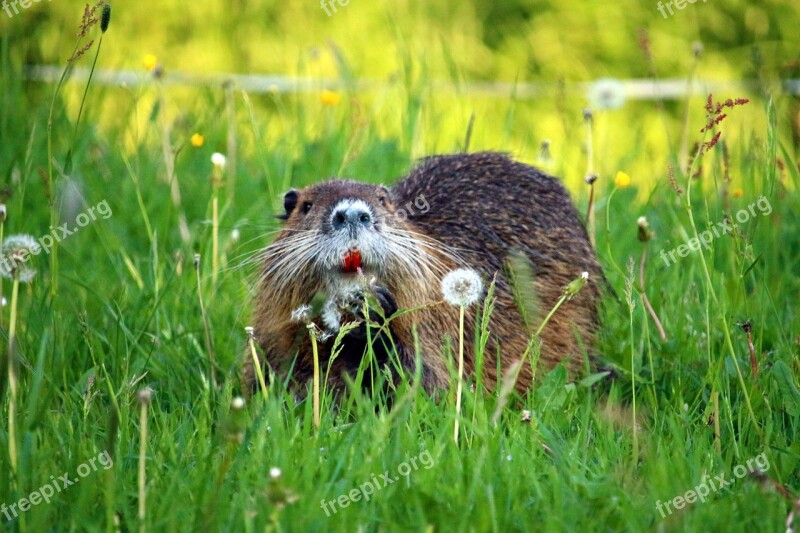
343	238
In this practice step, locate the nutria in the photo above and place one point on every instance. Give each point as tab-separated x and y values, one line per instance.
343	238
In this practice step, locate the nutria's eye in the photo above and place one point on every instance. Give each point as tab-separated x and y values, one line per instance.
307	207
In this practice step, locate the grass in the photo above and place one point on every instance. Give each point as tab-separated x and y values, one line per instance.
595	454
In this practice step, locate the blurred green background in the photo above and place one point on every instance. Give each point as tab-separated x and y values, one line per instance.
421	61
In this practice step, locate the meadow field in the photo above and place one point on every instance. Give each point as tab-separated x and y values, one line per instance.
148	170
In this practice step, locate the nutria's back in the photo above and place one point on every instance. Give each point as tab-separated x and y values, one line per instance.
485	204
477	211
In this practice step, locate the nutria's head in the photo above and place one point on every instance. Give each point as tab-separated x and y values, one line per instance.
336	230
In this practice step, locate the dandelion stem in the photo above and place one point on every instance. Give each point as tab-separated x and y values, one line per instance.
12	381
315	399
550	314
590	216
206	327
230	109
142	464
646	301
214	239
257	365
460	384
633	384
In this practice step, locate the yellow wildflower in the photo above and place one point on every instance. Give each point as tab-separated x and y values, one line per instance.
622	180
737	193
197	140
329	97
149	62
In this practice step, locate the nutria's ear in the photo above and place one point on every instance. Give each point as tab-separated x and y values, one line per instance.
289	203
384	196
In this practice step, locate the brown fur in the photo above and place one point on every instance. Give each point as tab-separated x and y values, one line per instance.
482	208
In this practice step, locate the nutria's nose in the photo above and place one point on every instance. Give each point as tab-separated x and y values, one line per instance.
353	216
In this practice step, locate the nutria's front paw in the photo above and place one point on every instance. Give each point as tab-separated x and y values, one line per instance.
363	307
385	300
351	308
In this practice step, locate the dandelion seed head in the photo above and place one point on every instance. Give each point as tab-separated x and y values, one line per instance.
237	404
14	256
218	160
697	49
462	287
145	396
275	472
606	93
301	314
644	233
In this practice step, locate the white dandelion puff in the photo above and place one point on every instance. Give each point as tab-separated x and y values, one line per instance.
606	93
14	257
275	472
462	287
301	314
237	404
644	232
219	160
331	317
